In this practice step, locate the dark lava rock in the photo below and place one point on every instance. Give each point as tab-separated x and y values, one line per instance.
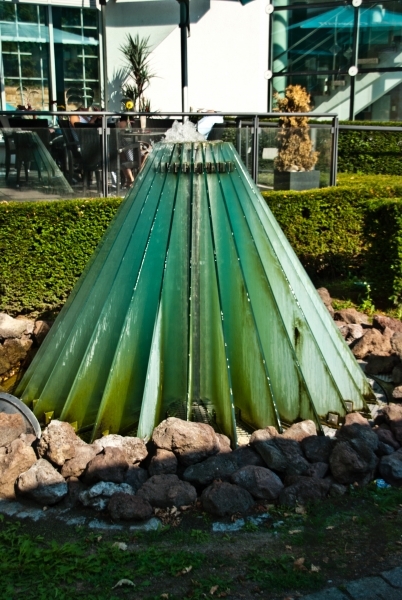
353	461
129	508
390	468
214	467
163	462
303	490
165	491
136	477
261	482
317	448
223	498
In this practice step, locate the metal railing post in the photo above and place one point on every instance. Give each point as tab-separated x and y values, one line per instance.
255	149
334	151
105	156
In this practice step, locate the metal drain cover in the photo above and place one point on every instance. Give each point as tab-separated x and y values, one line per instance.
10	405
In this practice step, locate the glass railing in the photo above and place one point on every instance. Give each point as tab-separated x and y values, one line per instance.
44	157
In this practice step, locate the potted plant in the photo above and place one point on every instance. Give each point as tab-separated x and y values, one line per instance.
294	164
136	52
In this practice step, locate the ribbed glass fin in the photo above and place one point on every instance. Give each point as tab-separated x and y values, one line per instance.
194	305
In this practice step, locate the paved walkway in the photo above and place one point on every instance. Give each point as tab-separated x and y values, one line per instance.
387	586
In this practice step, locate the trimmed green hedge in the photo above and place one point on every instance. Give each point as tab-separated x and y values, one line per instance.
44	247
376	152
354	229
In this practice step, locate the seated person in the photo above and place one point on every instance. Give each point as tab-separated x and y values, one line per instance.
205	124
83	118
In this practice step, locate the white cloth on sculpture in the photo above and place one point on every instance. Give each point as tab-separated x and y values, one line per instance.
205	124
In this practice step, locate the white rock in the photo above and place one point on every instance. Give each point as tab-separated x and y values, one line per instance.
97	496
14	328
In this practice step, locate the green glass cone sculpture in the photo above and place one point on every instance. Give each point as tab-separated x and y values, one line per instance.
194	305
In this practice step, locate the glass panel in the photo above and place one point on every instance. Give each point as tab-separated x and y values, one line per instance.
329	93
32	161
77	57
312	39
378	97
380	37
320	136
25	55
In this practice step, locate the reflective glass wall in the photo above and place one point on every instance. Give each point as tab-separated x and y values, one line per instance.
347	55
49	56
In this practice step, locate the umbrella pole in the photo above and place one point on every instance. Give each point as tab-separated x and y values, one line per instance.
184	26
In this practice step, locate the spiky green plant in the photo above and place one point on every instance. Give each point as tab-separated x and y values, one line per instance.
136	52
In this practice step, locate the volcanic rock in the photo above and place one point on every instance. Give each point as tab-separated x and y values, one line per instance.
352	462
214	467
245	455
355	418
397	393
191	442
58	442
303	490
373	342
381	364
317	448
11	427
98	496
136	477
163	462
261	482
165	491
14	460
224	443
129	508
74	467
397	374
111	465
351	315
263	435
355	332
272	456
355	431
134	448
392	415
296	463
318	470
390	468
381	322
42	483
40	331
301	430
396	344
14	328
386	436
12	352
384	449
326	298
222	498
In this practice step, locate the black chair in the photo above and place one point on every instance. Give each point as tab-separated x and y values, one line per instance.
72	166
90	148
124	153
9	143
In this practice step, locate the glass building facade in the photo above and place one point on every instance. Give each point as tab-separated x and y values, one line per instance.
348	55
50	56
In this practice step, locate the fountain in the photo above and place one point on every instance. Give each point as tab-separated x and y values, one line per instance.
194	305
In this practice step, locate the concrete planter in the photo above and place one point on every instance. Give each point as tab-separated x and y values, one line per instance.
299	180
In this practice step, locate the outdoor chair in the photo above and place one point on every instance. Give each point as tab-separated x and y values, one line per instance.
9	144
124	153
90	148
